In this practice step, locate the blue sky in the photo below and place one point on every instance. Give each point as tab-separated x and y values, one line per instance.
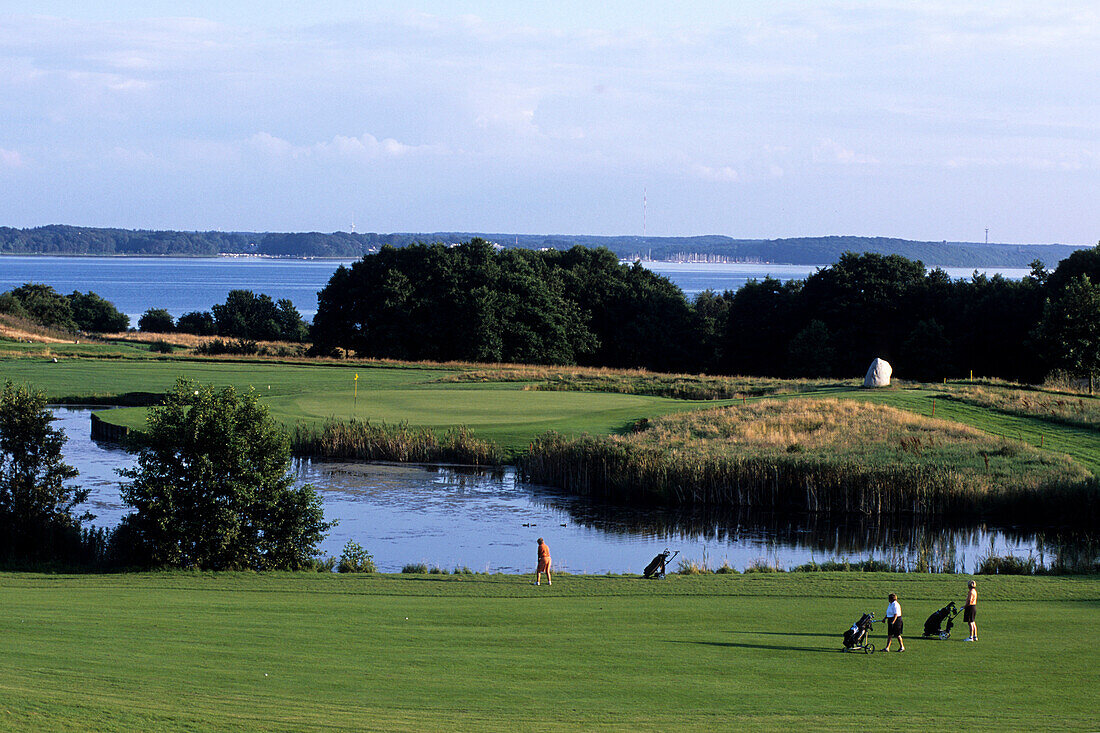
929	120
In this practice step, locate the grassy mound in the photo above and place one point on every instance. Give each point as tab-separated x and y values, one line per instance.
814	455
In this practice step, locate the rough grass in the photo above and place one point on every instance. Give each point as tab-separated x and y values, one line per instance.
1059	407
678	386
468	652
814	455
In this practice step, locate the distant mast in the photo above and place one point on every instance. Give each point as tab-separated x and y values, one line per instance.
643	210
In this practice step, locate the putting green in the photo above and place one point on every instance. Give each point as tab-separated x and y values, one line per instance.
504	413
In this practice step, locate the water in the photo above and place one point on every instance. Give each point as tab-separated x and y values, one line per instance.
693	278
489	520
182	284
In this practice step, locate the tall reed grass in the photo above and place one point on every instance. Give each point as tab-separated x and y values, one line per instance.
364	440
818	456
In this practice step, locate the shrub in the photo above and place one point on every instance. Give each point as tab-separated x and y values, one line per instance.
418	568
354	559
727	569
1006	565
761	566
238	347
436	570
692	567
463	571
161	347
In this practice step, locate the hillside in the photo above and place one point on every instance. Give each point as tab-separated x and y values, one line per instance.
70	240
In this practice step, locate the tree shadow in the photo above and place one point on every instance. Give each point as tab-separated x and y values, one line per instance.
771	647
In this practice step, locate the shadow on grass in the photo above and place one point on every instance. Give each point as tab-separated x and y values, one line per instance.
771	647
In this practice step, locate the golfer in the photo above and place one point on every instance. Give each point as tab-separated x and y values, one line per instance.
544	564
893	622
970	610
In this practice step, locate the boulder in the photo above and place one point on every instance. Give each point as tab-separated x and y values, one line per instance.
878	375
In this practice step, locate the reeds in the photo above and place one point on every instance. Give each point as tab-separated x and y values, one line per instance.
852	457
367	441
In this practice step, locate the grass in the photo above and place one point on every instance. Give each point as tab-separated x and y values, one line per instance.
312	394
815	455
471	652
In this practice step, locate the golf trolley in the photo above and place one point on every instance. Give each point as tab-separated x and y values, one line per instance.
656	567
855	638
932	625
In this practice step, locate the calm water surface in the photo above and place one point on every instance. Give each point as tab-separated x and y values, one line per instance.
183	284
489	521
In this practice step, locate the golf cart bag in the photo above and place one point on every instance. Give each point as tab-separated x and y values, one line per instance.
855	638
656	567
932	625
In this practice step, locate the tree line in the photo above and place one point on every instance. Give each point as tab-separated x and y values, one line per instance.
471	302
63	239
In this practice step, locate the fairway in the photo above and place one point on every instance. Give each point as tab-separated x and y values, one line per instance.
501	412
291	651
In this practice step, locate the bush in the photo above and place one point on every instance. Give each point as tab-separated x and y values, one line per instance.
161	347
238	347
418	568
354	559
727	569
1006	565
692	567
762	566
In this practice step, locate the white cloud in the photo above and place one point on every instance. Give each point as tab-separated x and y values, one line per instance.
719	174
829	151
10	159
364	147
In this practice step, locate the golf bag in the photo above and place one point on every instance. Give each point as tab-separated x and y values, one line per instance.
932	625
855	638
656	567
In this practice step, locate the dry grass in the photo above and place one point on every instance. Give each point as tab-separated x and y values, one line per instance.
1061	407
678	386
815	455
20	329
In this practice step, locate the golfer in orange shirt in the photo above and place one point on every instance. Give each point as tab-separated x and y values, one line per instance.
544	564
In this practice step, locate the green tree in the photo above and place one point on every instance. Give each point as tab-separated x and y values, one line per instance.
200	323
1071	328
212	488
36	505
94	313
810	353
44	305
156	320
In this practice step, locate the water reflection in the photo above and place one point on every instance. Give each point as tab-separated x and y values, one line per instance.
489	521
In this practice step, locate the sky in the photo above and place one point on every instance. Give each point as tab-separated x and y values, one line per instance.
930	120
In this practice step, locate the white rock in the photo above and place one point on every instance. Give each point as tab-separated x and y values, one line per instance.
878	375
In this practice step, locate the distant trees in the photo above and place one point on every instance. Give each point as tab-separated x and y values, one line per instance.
156	320
200	323
247	315
74	312
36	504
472	303
212	487
93	313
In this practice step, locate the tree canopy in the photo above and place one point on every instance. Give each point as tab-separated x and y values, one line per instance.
212	488
36	503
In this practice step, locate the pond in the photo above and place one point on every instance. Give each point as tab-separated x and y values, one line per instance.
451	517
